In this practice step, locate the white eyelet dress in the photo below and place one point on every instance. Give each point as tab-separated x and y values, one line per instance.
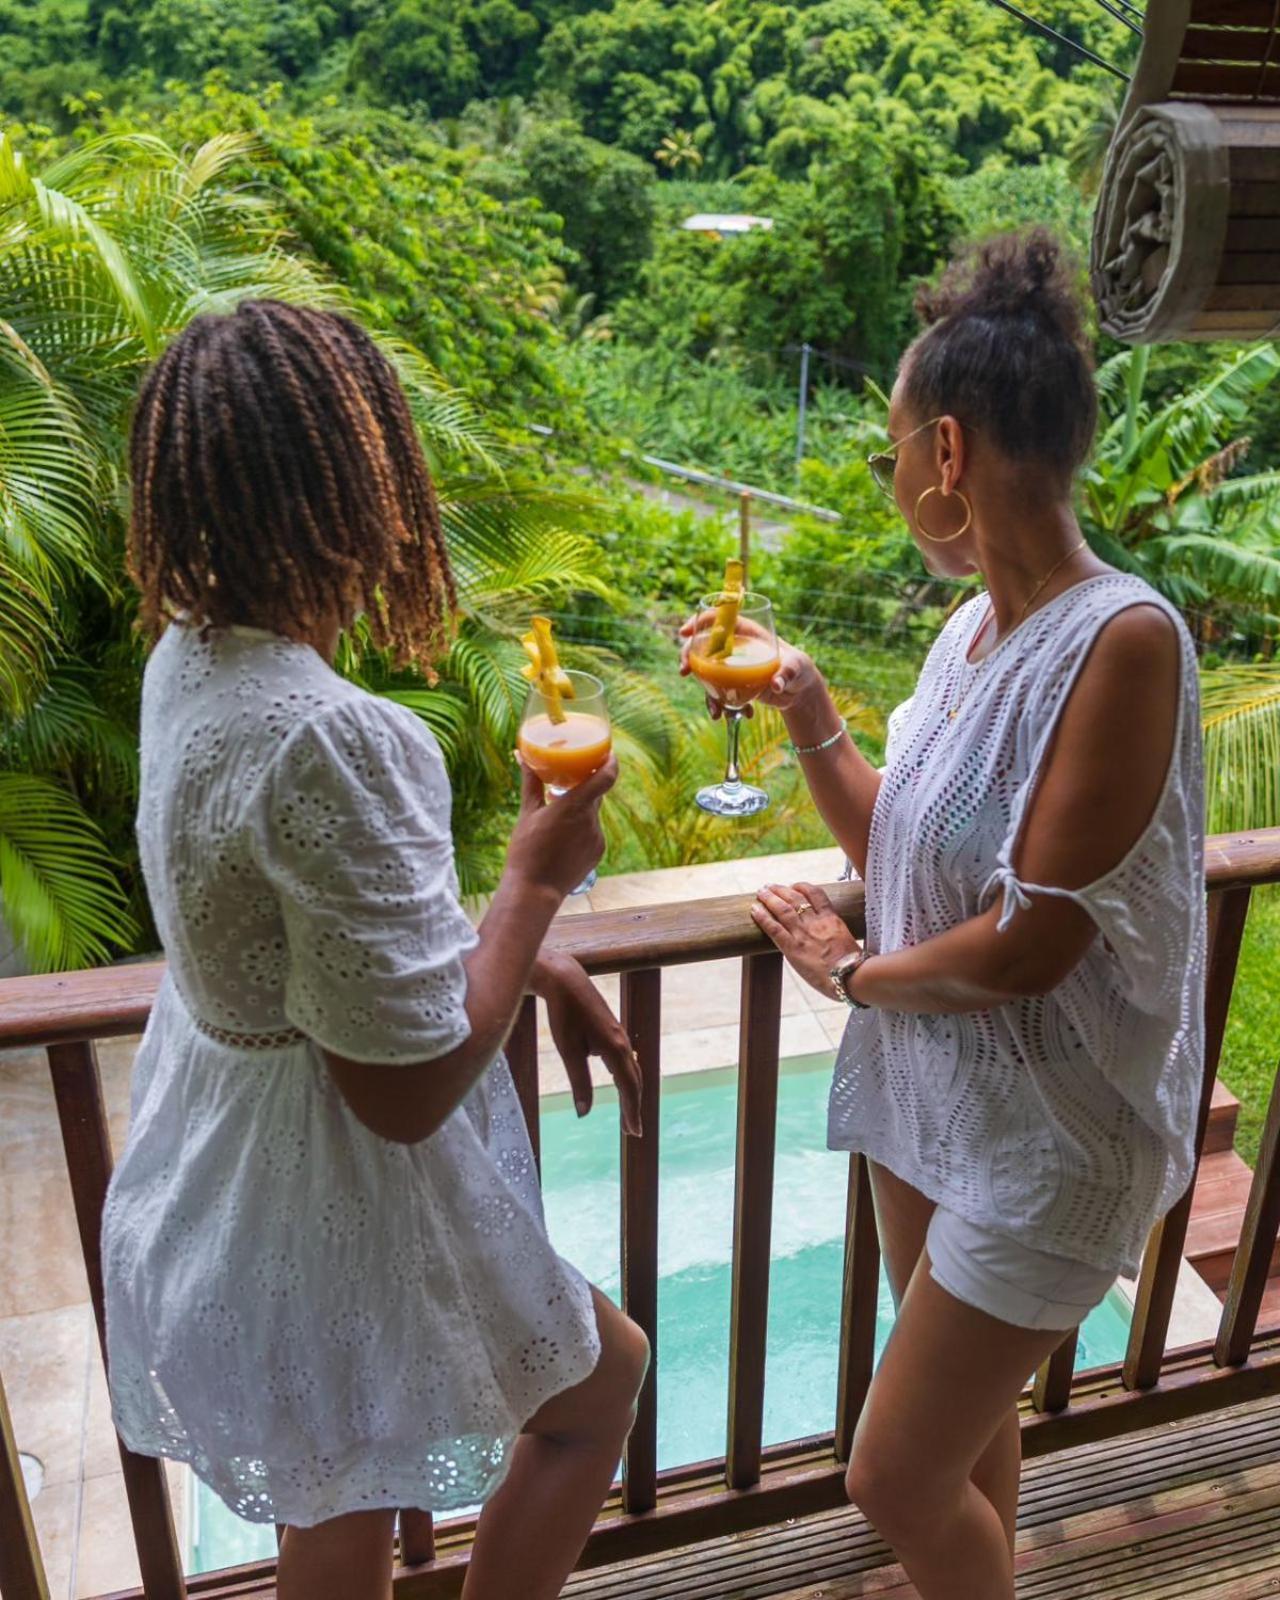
318	1320
1068	1120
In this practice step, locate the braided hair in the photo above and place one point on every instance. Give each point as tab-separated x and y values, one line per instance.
278	482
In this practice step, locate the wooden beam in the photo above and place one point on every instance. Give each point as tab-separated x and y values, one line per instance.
22	1574
642	1018
77	1089
753	1214
860	1299
1162	1261
1251	1267
1051	1391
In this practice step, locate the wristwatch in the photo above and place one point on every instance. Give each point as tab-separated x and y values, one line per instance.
842	976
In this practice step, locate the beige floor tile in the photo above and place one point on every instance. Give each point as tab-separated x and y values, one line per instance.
44	1359
670	885
42	1269
705	994
797	996
798	866
30	1140
833	1024
803	1035
699	1049
576	905
101	1448
106	1559
54	1514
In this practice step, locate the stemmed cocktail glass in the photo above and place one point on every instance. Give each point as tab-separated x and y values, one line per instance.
563	753
733	671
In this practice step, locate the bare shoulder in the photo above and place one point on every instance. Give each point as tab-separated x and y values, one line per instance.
1142	636
1110	754
1132	671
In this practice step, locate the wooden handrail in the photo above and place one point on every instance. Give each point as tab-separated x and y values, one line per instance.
114	1002
656	1509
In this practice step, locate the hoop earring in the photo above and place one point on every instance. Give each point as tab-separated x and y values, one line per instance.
950	537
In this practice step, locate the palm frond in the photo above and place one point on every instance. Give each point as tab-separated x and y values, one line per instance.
60	894
1240	708
67	720
1254	492
444	711
67	221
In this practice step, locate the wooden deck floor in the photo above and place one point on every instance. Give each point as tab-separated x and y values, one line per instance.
1187	1511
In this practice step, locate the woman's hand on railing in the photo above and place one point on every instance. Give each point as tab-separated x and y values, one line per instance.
806	928
796	680
582	1026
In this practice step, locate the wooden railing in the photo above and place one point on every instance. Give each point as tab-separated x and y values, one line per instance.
750	1485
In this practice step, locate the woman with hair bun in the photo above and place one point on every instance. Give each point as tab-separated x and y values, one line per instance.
1023	1056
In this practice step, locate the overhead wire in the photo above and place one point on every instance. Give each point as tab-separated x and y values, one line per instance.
1121	13
1060	38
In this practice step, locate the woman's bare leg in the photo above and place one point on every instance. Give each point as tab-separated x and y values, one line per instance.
532	1531
902	1221
347	1558
943	1390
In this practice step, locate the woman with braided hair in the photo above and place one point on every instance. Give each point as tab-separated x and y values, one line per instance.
329	1285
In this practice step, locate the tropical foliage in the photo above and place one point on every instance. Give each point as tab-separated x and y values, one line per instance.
110	251
497	189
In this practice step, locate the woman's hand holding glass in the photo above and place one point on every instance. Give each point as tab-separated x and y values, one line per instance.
565	739
557	844
795	681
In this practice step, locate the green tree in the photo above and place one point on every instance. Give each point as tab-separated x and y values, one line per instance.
604	197
107	254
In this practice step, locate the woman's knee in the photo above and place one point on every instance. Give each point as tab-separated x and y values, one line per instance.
602	1407
895	1497
624	1355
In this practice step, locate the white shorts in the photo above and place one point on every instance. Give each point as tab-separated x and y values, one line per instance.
1011	1281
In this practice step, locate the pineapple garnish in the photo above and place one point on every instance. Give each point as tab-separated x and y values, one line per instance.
544	668
720	639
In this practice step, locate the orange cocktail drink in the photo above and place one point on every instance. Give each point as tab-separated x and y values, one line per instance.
564	753
737	678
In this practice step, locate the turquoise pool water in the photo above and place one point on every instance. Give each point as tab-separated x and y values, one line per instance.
580	1159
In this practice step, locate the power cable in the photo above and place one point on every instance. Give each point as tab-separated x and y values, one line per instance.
1060	38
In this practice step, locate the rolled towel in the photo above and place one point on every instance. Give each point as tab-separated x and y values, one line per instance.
1161	224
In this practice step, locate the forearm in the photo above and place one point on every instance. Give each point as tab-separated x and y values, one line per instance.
973	967
842	782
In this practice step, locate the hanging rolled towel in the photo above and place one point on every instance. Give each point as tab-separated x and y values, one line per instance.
1186	241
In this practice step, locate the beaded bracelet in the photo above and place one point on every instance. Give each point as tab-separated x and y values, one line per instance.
812	749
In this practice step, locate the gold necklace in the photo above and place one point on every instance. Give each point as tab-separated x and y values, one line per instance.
1022	617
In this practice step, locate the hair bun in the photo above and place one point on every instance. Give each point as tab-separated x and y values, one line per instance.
1014	274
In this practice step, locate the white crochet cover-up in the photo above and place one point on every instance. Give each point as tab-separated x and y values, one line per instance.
1066	1120
318	1320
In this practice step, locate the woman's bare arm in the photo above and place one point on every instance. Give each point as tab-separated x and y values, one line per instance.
1101	783
843	783
1103	776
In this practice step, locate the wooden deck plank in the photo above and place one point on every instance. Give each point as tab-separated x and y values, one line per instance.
1186	1511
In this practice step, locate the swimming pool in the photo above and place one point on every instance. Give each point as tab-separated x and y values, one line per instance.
695	1233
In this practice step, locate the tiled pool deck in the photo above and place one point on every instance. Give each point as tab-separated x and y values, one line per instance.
48	1349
